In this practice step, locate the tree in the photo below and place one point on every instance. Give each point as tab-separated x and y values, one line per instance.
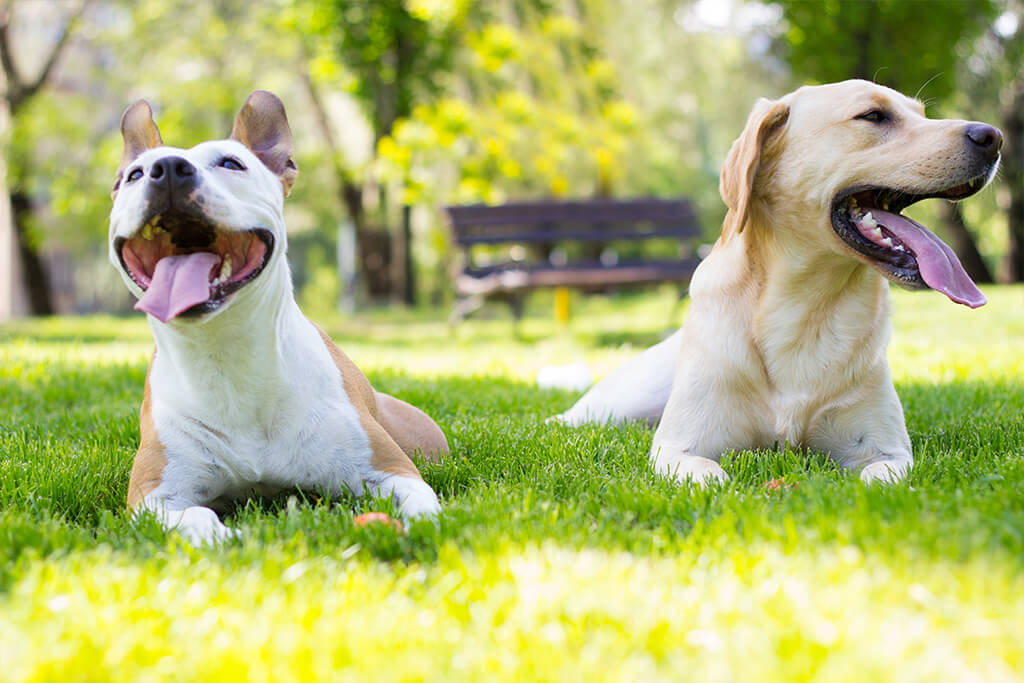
20	90
390	56
908	46
992	73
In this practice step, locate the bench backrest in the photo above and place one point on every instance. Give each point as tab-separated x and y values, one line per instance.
595	220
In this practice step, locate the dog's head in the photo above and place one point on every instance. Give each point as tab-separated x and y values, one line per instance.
833	167
191	227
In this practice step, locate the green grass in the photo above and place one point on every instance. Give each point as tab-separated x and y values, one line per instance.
560	556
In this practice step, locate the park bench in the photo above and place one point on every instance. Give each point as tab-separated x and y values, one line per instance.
542	235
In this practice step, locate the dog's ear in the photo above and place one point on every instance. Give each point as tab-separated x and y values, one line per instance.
262	126
139	133
739	171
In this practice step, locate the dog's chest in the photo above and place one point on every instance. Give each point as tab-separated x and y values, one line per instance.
271	434
814	361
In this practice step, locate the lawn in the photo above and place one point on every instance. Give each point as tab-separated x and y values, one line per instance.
559	556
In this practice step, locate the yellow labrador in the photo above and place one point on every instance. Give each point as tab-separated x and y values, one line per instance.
789	321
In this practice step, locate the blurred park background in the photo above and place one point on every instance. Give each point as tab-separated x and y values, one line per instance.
401	107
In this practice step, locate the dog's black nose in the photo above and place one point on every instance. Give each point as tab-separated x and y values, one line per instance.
984	138
172	173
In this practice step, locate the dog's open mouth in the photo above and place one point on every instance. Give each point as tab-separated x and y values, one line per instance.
189	267
868	219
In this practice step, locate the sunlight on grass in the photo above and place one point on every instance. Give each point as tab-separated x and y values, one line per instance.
560	556
542	613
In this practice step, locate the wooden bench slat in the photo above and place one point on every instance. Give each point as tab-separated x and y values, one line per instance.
466	239
611	211
506	278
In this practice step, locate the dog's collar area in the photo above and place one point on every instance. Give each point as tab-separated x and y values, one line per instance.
869	221
189	267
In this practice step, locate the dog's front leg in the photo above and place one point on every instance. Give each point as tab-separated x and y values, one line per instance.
198	524
684	450
868	436
413	496
682	466
391	472
175	493
702	421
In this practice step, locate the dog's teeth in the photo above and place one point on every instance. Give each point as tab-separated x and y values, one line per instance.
225	269
877	232
886	241
868	221
898	247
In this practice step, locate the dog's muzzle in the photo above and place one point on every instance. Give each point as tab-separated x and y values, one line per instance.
186	265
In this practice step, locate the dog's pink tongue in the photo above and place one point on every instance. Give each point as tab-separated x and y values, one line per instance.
939	266
179	283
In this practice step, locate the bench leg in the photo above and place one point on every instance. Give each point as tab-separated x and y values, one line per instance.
562	306
464	308
517	302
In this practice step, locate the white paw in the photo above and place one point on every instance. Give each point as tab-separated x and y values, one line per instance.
415	498
700	471
885	471
200	526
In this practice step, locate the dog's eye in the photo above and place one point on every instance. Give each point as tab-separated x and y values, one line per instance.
231	163
874	116
134	175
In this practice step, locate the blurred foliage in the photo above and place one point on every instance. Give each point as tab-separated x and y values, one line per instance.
489	101
909	46
398	53
603	101
448	101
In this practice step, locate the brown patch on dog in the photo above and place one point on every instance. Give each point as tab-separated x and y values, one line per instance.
387	456
411	428
150	459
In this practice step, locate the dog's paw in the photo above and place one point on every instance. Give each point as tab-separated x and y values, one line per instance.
700	471
885	472
201	526
415	499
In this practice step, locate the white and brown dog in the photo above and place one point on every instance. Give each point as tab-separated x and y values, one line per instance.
789	318
244	395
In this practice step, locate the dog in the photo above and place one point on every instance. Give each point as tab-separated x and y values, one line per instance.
788	324
244	395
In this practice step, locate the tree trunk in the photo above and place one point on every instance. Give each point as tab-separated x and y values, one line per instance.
1013	177
34	273
374	244
13	300
963	243
18	91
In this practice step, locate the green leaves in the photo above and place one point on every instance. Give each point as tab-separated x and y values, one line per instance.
904	45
